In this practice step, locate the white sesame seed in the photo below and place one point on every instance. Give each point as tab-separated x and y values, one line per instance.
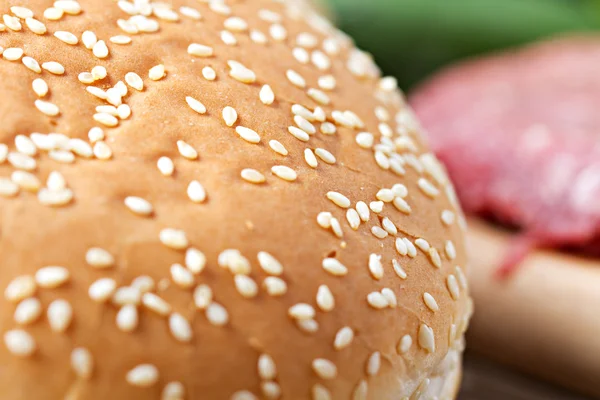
285	173
243	394
240	73
128	26
186	150
165	166
95	91
195	260
379	232
324	368
229	115
102	289
382	160
120	39
60	315
248	134
106	119
426	338
66	37
143	283
325	155
401	205
70	7
389	226
298	133
200	50
377	300
447	217
202	296
235	24
258	37
25	180
310	158
275	286
173	238
252	175
173	390
138	205
302	111
13	54
28	311
336	227
375	266
195	105
271	390
180	327
397	267
405	344
127	318
428	188
31	64
460	276
233	260
8	188
268	15
143	375
295	78
99	258
53	13
19	288
123	111
307	325
430	302
308	40
62	156
157	72
327	82
134	80
343	338
209	74
19	343
325	299
217	314
334	267
324	219
40	87
155	303
99	73
305	125
301	311
95	134
318	96
301	55
411	249
434	257
267	369
165	14
374	364
51	277
100	50
269	263
89	39
365	140
450	250
277	147
278	32
266	95
21	161
453	288
47	108
182	276
363	211
82	362
245	286
376	206
228	38
339	199
190	12
21	12
101	150
34	25
320	392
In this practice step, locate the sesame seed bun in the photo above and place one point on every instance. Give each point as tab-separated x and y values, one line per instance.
221	201
549	324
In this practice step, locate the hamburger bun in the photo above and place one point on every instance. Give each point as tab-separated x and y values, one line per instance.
217	200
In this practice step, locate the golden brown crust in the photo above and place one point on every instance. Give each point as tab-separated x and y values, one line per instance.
276	216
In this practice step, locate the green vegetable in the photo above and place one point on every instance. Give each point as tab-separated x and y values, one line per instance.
412	38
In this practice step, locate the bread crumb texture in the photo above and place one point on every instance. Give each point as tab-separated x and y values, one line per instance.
218	200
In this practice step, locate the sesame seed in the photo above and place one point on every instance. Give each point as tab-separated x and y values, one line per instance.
82	362
165	14
450	250
271	390
180	327
336	227
62	156
258	37
120	39
248	134
19	288
285	173
343	338
186	150
100	50
360	391
233	260
365	140
397	267
209	74
173	238
190	12
453	288
200	50
434	257
106	119
127	318
99	73
375	266
195	105
252	175
70	7
143	283
266	95
295	78
47	108
240	73
128	26
341	119
195	260
278	32
31	64
89	39
389	226
12	23
182	276
376	206
243	395
301	311
427	188
320	392
301	55
266	367
307	325
95	134
138	205
28	311
310	158
339	199
401	205
298	133
324	368
155	303
60	314
245	286
21	161
101	150
430	302
327	82
95	91
277	147
269	264
308	40
404	344
275	286
12	54
229	115
123	111
325	155
202	296
19	343
53	13
422	244
235	24
447	217
165	166
379	232
99	258
334	267
217	314
21	12
40	87
374	364
382	161
377	300
173	390
51	277
268	15
324	219
66	37
325	299
228	38
426	338
318	96
302	111
143	375
410	248
460	276
157	72
304	125
320	60
134	80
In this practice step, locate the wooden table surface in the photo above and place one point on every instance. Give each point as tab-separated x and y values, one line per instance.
485	380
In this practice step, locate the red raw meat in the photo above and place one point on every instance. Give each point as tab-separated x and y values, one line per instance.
520	135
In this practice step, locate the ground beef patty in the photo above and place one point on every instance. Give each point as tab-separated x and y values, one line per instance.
520	135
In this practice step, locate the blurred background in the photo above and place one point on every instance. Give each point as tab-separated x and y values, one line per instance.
411	39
